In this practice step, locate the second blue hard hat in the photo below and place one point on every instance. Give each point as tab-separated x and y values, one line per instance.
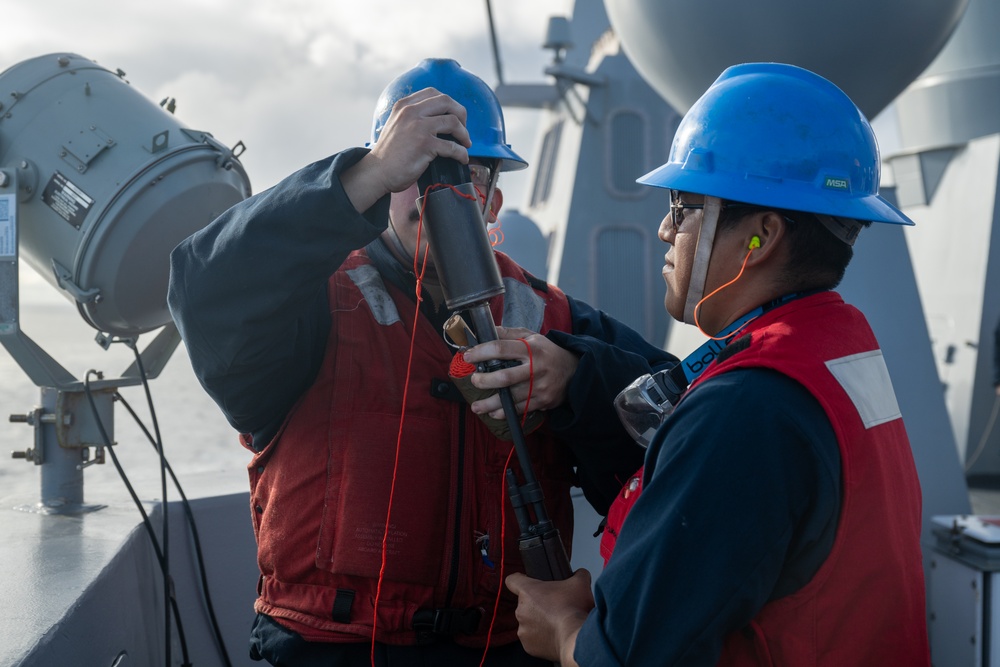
778	135
484	118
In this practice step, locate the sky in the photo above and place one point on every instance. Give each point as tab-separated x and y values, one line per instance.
295	80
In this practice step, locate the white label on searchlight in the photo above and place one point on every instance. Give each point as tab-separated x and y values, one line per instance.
67	199
8	236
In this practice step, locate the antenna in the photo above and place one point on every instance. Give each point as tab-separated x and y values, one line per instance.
496	46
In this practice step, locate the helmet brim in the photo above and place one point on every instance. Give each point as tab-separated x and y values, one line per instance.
780	194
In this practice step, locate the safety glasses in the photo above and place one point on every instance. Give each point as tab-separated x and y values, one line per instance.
677	208
481	174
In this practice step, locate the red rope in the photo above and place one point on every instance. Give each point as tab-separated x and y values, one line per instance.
503	553
419	271
459	367
402	418
494	233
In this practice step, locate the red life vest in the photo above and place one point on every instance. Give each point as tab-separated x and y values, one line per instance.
619	509
865	605
320	490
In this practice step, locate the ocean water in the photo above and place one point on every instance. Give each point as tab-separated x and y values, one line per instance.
196	437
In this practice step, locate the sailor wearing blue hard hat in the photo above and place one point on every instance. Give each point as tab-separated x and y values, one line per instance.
776	520
441	86
377	493
773	136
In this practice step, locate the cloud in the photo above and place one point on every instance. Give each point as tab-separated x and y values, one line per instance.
295	81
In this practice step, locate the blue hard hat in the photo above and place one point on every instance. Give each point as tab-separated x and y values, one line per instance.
484	117
781	136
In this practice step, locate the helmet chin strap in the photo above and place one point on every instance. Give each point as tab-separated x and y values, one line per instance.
397	244
490	189
405	258
702	254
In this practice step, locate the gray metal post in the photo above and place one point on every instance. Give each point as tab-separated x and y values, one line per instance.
62	474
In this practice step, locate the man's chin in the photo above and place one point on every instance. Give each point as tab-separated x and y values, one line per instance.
674	307
430	274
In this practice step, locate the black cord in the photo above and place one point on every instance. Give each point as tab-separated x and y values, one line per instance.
167	583
196	539
171	604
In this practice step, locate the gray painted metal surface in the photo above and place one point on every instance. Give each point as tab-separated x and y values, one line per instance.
608	128
108	183
86	590
947	178
957	98
872	50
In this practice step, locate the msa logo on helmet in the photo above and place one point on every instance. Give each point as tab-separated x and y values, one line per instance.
836	183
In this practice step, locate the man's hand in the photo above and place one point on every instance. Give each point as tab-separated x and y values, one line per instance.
549	371
551	613
406	146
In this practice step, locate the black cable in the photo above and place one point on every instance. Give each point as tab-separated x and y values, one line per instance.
167	584
196	539
171	606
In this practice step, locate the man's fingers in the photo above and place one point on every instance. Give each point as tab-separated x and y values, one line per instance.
504	377
515	582
496	349
412	135
513	333
490	405
450	149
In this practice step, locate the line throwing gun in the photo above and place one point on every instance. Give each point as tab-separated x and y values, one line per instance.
470	277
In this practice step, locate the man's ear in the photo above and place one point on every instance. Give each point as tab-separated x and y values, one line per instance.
494	211
764	236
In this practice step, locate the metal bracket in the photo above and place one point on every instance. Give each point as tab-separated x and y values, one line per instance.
226	155
160	142
65	280
79	155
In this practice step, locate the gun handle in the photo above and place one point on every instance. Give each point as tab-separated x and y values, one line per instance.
544	557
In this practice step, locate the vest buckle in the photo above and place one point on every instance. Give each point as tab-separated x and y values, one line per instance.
432	624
